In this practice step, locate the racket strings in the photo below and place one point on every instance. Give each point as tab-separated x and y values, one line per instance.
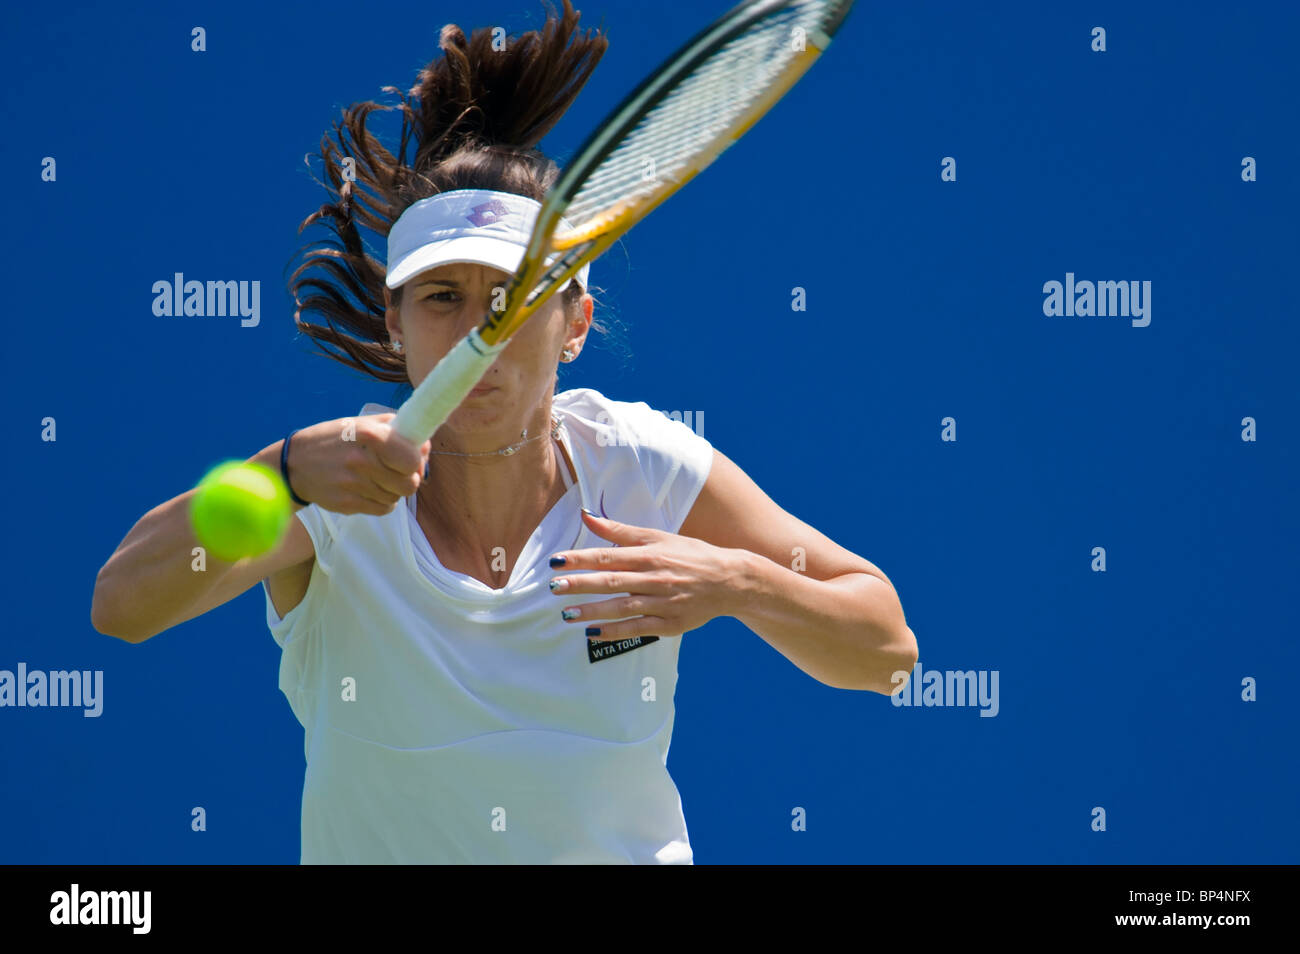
704	106
556	268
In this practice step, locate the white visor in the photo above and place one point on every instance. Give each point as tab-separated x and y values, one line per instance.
479	226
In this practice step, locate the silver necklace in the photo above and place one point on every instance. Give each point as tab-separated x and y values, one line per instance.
507	451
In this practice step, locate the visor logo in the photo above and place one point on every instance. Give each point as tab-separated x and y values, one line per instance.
488	213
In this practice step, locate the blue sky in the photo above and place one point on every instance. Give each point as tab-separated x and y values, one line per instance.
1120	690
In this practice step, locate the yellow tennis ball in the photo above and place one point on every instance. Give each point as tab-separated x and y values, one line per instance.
242	510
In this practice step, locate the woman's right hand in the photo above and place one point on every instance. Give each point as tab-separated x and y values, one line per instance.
367	475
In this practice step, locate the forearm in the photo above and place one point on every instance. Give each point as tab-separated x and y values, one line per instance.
847	632
152	580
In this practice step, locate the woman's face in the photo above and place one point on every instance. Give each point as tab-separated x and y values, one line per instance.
443	304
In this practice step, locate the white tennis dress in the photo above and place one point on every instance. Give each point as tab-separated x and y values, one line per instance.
448	722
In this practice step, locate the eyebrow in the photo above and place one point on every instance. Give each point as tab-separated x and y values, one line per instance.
451	283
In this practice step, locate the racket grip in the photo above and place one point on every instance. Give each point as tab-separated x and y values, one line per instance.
445	387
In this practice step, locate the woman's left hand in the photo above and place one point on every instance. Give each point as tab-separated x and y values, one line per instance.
674	583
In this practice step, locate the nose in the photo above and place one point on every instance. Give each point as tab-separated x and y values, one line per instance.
471	317
472	314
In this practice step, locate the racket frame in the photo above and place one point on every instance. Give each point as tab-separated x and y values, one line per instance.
537	279
591	239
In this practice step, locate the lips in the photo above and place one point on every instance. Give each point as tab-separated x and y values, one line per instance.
482	390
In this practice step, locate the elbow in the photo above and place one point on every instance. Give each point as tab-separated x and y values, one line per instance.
103	618
891	658
100	620
894	664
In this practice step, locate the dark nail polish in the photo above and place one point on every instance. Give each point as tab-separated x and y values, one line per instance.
593	630
557	561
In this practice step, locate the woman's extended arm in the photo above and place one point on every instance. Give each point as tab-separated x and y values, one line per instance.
830	612
152	582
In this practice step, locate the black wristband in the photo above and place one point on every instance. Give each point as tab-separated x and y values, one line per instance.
284	469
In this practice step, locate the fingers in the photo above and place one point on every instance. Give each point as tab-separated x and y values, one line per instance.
614	581
618	608
602	558
392	482
375	501
389	466
374	488
390	448
598	630
620	534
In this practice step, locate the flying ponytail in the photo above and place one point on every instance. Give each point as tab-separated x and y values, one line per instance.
473	121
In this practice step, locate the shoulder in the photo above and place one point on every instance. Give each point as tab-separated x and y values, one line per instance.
587	406
619	437
608	422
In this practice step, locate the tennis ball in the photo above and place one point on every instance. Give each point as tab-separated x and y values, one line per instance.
241	510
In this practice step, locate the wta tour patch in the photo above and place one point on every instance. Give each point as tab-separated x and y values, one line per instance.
604	649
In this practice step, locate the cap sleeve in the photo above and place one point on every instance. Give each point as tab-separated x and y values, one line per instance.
322	529
674	459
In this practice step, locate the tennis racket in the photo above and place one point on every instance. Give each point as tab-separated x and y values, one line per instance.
668	129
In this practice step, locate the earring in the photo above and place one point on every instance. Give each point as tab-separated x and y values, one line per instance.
567	355
397	345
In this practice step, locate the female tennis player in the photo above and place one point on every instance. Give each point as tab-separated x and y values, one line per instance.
484	664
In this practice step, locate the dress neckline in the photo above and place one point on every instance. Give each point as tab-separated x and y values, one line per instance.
571	534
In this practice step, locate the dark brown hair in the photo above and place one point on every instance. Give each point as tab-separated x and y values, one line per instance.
476	115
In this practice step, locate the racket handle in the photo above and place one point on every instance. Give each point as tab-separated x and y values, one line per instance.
445	387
